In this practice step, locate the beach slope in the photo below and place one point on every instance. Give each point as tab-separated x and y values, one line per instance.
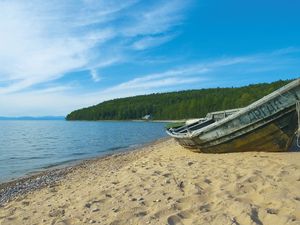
163	183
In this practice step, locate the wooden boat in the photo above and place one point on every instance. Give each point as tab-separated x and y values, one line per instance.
268	124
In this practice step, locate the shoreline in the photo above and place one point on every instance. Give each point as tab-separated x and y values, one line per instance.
163	183
44	177
131	120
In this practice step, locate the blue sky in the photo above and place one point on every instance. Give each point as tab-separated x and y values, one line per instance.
57	56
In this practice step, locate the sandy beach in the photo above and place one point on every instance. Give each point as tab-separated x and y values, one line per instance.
163	183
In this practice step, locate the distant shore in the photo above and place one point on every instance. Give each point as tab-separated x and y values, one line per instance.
154	121
159	121
163	183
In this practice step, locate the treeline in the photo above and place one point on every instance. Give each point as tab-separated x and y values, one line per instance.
176	105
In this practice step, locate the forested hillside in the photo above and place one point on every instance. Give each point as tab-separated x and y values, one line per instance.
176	105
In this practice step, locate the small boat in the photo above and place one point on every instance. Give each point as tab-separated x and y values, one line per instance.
268	124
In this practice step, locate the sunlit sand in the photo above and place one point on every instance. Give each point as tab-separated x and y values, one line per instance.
163	183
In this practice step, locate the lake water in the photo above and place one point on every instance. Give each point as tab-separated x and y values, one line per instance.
29	146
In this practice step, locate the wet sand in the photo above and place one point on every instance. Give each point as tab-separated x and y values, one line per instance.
163	183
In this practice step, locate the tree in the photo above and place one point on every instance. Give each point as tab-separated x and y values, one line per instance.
176	105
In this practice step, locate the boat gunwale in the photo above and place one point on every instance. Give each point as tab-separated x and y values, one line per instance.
188	127
184	135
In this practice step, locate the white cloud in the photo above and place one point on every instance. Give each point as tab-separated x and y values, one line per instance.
171	77
95	75
35	50
61	100
158	19
195	74
42	41
149	42
177	76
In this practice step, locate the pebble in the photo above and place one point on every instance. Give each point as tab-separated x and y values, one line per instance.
142	203
25	203
92	221
52	190
190	163
95	210
56	212
87	205
272	211
25	186
115	210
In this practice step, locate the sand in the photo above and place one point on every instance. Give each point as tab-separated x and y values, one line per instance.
163	183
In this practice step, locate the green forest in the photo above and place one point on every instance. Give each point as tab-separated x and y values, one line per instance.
176	105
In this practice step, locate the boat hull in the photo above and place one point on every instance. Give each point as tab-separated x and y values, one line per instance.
266	125
276	136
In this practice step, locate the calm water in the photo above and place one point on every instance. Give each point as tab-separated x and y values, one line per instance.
29	146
